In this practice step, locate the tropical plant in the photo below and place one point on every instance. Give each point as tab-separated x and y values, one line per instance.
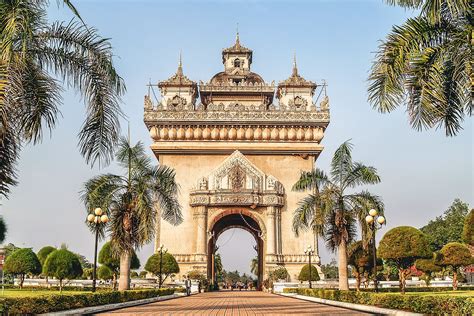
468	229
142	274
254	266
131	202
361	261
134	274
304	273
36	60
426	65
330	270
455	255
330	211
280	273
112	261
427	266
22	262
169	266
447	227
403	245
44	252
87	273
62	264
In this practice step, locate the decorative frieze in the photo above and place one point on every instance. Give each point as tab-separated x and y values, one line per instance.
269	133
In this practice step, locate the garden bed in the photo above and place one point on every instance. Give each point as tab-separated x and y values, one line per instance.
47	303
425	303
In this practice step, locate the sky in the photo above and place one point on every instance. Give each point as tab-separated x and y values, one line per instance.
422	172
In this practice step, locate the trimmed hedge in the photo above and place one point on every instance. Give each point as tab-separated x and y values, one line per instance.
58	302
425	304
420	289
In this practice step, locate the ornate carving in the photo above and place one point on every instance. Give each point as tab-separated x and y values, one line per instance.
324	105
176	103
203	184
297	104
237	178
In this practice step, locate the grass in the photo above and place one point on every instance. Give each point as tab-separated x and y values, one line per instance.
32	293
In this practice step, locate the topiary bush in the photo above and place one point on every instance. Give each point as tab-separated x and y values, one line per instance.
62	264
55	302
425	304
22	262
281	273
455	255
403	245
169	265
304	273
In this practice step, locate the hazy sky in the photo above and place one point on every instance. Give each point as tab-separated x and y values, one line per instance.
422	172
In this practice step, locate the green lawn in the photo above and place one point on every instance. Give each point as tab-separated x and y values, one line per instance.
30	293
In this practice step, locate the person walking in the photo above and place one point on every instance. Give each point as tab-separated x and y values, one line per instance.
187	284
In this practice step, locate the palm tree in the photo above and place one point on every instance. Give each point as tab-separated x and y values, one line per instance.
36	60
330	211
254	266
131	201
426	65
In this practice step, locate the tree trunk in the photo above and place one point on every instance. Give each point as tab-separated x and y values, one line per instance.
342	268
358	277
455	280
124	281
60	285
114	281
401	277
22	279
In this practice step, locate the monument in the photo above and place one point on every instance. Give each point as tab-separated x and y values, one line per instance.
237	153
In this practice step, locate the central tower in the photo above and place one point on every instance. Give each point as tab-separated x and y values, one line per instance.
237	154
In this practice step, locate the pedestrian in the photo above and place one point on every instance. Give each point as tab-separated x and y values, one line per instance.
187	284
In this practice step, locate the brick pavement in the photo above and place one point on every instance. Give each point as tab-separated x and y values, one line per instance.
234	303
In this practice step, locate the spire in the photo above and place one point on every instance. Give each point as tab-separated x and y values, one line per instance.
180	65
295	68
237	37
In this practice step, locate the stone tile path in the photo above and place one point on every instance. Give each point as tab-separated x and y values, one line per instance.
234	303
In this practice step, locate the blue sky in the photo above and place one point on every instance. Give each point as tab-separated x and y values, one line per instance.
422	172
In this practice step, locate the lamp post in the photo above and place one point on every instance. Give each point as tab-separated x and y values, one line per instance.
309	251
96	218
375	222
162	250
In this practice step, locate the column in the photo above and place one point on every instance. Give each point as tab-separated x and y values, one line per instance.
157	228
270	230
278	231
200	213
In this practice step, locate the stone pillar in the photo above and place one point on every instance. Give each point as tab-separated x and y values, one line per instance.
157	228
278	230
200	213
270	230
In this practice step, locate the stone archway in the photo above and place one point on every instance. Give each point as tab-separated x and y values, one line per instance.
235	218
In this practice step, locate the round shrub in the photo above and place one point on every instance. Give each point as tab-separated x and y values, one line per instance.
304	273
62	264
280	273
44	252
21	262
104	273
455	255
169	265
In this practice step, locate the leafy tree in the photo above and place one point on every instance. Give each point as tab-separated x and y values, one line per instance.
132	200
279	273
427	266
169	266
232	276
104	273
403	245
36	59
455	255
3	226
62	264
142	274
332	212
196	275
389	270
304	273
468	229
22	262
9	249
218	265
448	227
426	65
361	260
134	274
44	252
109	258
330	270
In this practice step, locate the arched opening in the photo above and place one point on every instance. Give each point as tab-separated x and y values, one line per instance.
237	63
234	219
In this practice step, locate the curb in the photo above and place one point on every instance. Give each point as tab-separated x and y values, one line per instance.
357	307
108	307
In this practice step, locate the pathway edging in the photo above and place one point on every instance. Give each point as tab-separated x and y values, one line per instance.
108	307
358	307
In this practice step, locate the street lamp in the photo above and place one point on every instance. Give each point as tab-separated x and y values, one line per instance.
309	251
162	250
96	218
375	222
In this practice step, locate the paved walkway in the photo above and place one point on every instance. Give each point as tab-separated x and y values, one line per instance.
234	303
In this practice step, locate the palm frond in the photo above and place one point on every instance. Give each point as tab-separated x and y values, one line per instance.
341	163
311	180
359	175
165	189
9	152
